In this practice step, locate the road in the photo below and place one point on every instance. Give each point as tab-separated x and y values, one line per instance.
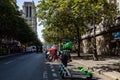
31	66
28	67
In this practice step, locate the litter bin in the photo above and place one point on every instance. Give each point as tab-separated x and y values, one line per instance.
4	51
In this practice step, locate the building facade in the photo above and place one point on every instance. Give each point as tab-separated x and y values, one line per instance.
29	14
118	4
112	1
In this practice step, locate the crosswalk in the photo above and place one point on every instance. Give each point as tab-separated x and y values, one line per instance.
53	73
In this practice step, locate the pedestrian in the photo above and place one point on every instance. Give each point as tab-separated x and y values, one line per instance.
37	49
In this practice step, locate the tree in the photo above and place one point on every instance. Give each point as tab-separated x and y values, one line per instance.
13	26
65	14
8	15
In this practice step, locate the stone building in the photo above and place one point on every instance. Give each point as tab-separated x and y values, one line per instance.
29	14
105	41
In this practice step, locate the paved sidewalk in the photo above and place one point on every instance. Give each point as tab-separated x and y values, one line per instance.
109	67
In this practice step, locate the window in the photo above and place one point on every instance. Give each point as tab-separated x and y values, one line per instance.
30	11
27	11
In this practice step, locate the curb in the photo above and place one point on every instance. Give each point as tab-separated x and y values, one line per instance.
5	56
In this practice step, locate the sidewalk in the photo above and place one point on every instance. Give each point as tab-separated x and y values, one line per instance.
109	67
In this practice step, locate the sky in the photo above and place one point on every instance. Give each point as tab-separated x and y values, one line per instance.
39	28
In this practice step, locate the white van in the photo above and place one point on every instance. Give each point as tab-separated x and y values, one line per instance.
31	49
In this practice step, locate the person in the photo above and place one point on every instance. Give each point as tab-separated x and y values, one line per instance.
37	49
69	55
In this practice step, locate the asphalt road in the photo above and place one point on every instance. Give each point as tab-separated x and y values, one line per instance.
28	67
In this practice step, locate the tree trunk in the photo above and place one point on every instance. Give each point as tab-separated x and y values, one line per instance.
78	38
95	56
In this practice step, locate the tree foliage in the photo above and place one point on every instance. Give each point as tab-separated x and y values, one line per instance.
65	14
13	26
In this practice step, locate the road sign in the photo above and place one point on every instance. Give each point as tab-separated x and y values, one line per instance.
117	35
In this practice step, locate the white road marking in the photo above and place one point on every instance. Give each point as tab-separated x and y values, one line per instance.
53	70
54	75
56	79
51	66
10	61
45	75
